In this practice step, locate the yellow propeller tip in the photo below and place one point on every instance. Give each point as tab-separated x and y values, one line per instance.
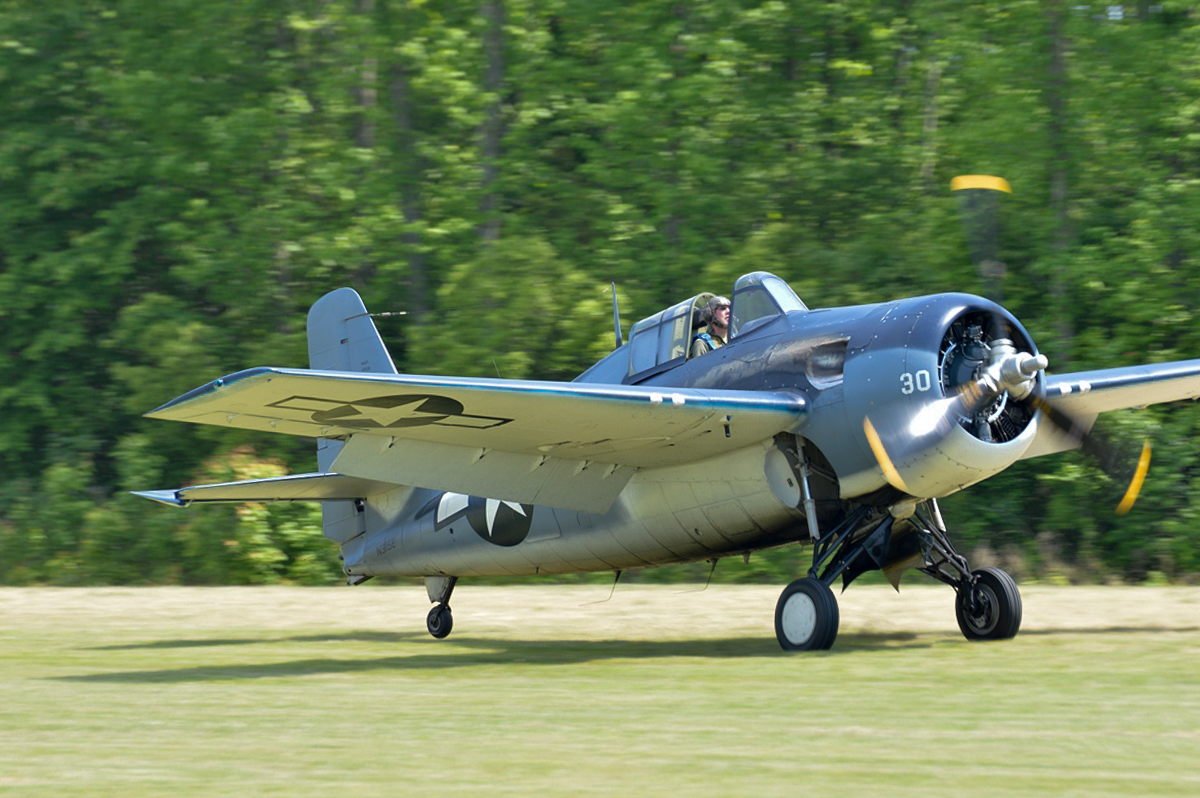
1135	485
881	456
990	182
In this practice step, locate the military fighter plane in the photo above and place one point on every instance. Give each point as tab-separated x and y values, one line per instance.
836	428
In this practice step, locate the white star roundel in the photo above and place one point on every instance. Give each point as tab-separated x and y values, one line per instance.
492	508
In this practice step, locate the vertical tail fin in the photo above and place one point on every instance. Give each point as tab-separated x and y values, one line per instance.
342	337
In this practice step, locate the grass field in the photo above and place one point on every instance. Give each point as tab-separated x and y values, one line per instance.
337	691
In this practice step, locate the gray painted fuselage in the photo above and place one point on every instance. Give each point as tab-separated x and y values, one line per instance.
725	505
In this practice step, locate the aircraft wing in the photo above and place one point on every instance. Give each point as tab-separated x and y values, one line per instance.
1086	394
562	444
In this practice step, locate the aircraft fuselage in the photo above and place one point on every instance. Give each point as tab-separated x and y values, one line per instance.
848	361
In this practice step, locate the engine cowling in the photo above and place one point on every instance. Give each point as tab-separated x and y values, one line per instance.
910	373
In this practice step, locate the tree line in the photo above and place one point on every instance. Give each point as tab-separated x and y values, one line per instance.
180	180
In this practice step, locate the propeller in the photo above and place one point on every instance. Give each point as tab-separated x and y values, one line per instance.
979	208
1113	458
1003	376
973	398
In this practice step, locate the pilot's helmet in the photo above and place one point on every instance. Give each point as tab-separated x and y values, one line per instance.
713	304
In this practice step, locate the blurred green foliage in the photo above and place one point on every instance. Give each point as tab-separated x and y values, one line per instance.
179	181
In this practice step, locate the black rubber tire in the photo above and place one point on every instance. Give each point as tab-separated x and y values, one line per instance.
991	609
440	621
806	616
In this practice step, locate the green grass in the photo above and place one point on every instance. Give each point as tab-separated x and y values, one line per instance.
322	691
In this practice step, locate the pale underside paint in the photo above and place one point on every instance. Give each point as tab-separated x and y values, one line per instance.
677	514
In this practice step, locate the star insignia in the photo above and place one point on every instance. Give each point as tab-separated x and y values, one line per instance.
492	507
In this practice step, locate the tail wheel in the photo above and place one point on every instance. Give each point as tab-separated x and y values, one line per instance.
439	622
989	608
806	616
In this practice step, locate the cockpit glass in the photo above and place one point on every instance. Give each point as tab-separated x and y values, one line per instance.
664	337
757	298
644	345
663	340
783	294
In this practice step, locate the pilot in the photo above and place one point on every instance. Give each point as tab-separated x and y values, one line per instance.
717	333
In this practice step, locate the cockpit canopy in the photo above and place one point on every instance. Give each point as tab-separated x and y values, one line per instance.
758	298
664	340
666	336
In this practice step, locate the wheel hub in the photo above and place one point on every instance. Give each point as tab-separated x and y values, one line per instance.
799	618
981	609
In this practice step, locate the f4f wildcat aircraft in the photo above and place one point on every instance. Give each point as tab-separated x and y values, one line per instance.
837	428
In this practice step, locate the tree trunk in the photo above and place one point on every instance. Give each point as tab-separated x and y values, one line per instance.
1060	154
368	93
410	171
929	124
493	125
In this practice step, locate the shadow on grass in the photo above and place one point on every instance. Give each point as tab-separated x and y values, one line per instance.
1110	630
422	653
462	652
348	637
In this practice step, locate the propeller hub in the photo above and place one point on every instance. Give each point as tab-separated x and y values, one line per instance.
1012	370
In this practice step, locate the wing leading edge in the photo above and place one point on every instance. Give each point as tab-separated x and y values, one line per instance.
560	444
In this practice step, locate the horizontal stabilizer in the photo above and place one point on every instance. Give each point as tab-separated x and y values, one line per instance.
319	487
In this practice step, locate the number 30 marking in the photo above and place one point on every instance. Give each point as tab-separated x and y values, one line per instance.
910	382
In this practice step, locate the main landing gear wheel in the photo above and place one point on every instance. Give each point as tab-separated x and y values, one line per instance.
806	616
439	622
989	609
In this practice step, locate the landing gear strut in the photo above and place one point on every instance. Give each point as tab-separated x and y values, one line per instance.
988	604
440	621
806	615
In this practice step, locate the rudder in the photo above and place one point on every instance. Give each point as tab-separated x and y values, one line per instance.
342	337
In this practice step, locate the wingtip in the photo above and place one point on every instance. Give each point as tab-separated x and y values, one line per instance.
164	410
170	497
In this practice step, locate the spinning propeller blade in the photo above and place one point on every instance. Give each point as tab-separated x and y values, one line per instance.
1135	484
1112	458
979	207
970	399
881	456
1007	371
